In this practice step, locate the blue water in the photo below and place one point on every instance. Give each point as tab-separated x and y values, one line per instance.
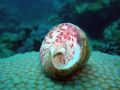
29	9
31	20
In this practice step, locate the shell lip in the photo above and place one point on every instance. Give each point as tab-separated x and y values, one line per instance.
70	64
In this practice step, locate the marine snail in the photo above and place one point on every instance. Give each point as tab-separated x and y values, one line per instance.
64	50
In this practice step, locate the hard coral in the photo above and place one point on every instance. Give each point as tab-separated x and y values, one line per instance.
9	43
91	16
23	72
112	32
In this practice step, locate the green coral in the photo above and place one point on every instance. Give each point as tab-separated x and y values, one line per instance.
5	51
111	39
112	32
110	42
81	7
24	72
9	43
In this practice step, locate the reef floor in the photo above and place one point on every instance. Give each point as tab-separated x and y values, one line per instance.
24	72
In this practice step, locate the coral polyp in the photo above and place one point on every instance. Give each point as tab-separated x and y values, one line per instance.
64	50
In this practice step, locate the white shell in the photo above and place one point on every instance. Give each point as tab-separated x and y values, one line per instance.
64	50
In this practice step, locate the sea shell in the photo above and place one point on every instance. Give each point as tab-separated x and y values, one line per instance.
64	50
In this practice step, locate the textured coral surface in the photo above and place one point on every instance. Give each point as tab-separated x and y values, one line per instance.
24	72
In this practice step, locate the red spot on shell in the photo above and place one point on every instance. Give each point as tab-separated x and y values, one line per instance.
47	42
69	38
63	24
44	49
42	58
68	33
66	24
50	32
73	52
71	45
72	39
61	33
57	40
50	36
64	61
70	26
65	36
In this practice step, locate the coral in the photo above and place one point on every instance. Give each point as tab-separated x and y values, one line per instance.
107	47
90	15
24	72
34	37
112	32
24	38
5	51
111	39
11	37
9	43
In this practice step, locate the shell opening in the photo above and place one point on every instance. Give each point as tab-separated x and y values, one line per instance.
60	61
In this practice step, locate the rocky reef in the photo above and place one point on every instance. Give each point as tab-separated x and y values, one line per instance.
99	19
24	72
111	39
24	38
93	16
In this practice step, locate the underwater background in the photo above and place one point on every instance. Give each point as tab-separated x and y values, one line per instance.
25	23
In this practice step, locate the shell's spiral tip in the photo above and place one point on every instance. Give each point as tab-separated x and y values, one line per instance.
64	50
